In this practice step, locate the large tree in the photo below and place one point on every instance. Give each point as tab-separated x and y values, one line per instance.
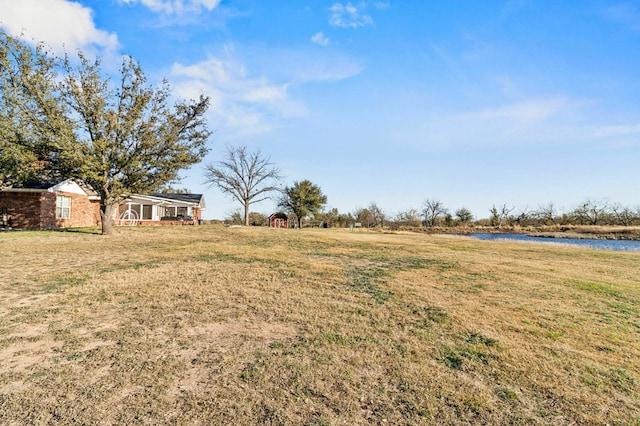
303	199
131	140
248	177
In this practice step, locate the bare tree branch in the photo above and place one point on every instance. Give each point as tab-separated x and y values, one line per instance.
248	177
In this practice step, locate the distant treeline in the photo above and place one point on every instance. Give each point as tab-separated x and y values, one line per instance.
435	214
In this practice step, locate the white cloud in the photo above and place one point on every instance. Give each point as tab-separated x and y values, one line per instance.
320	39
256	98
176	7
242	104
57	23
349	16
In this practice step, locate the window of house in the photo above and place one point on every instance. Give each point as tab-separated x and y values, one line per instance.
63	207
147	212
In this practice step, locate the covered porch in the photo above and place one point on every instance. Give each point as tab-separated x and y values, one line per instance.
160	210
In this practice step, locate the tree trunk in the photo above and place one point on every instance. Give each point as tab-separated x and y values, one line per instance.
246	214
106	217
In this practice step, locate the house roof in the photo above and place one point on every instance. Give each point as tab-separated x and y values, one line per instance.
279	215
187	198
53	185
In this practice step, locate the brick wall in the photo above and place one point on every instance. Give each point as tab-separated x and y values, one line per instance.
37	210
23	209
48	211
84	212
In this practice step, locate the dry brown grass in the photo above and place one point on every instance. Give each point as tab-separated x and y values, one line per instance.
206	325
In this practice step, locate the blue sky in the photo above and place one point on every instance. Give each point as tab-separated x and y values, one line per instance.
516	102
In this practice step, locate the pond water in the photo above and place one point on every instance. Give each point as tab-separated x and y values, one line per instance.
618	245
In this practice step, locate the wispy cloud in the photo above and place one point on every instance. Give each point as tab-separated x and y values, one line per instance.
523	112
242	103
58	23
381	5
545	122
617	131
320	39
176	7
349	15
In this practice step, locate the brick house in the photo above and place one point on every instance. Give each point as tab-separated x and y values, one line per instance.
71	203
49	205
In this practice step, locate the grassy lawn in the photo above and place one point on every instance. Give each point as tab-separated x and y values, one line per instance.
207	325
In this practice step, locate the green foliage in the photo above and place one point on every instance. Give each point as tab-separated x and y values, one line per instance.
369	280
506	394
303	199
168	189
258	219
35	134
464	215
234	218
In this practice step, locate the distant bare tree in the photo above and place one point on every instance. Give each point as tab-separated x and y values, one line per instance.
591	212
432	210
546	215
409	217
377	214
523	218
234	218
248	177
499	215
624	215
363	216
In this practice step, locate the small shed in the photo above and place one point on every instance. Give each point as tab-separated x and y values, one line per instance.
278	220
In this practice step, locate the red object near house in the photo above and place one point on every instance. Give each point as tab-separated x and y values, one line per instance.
278	220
